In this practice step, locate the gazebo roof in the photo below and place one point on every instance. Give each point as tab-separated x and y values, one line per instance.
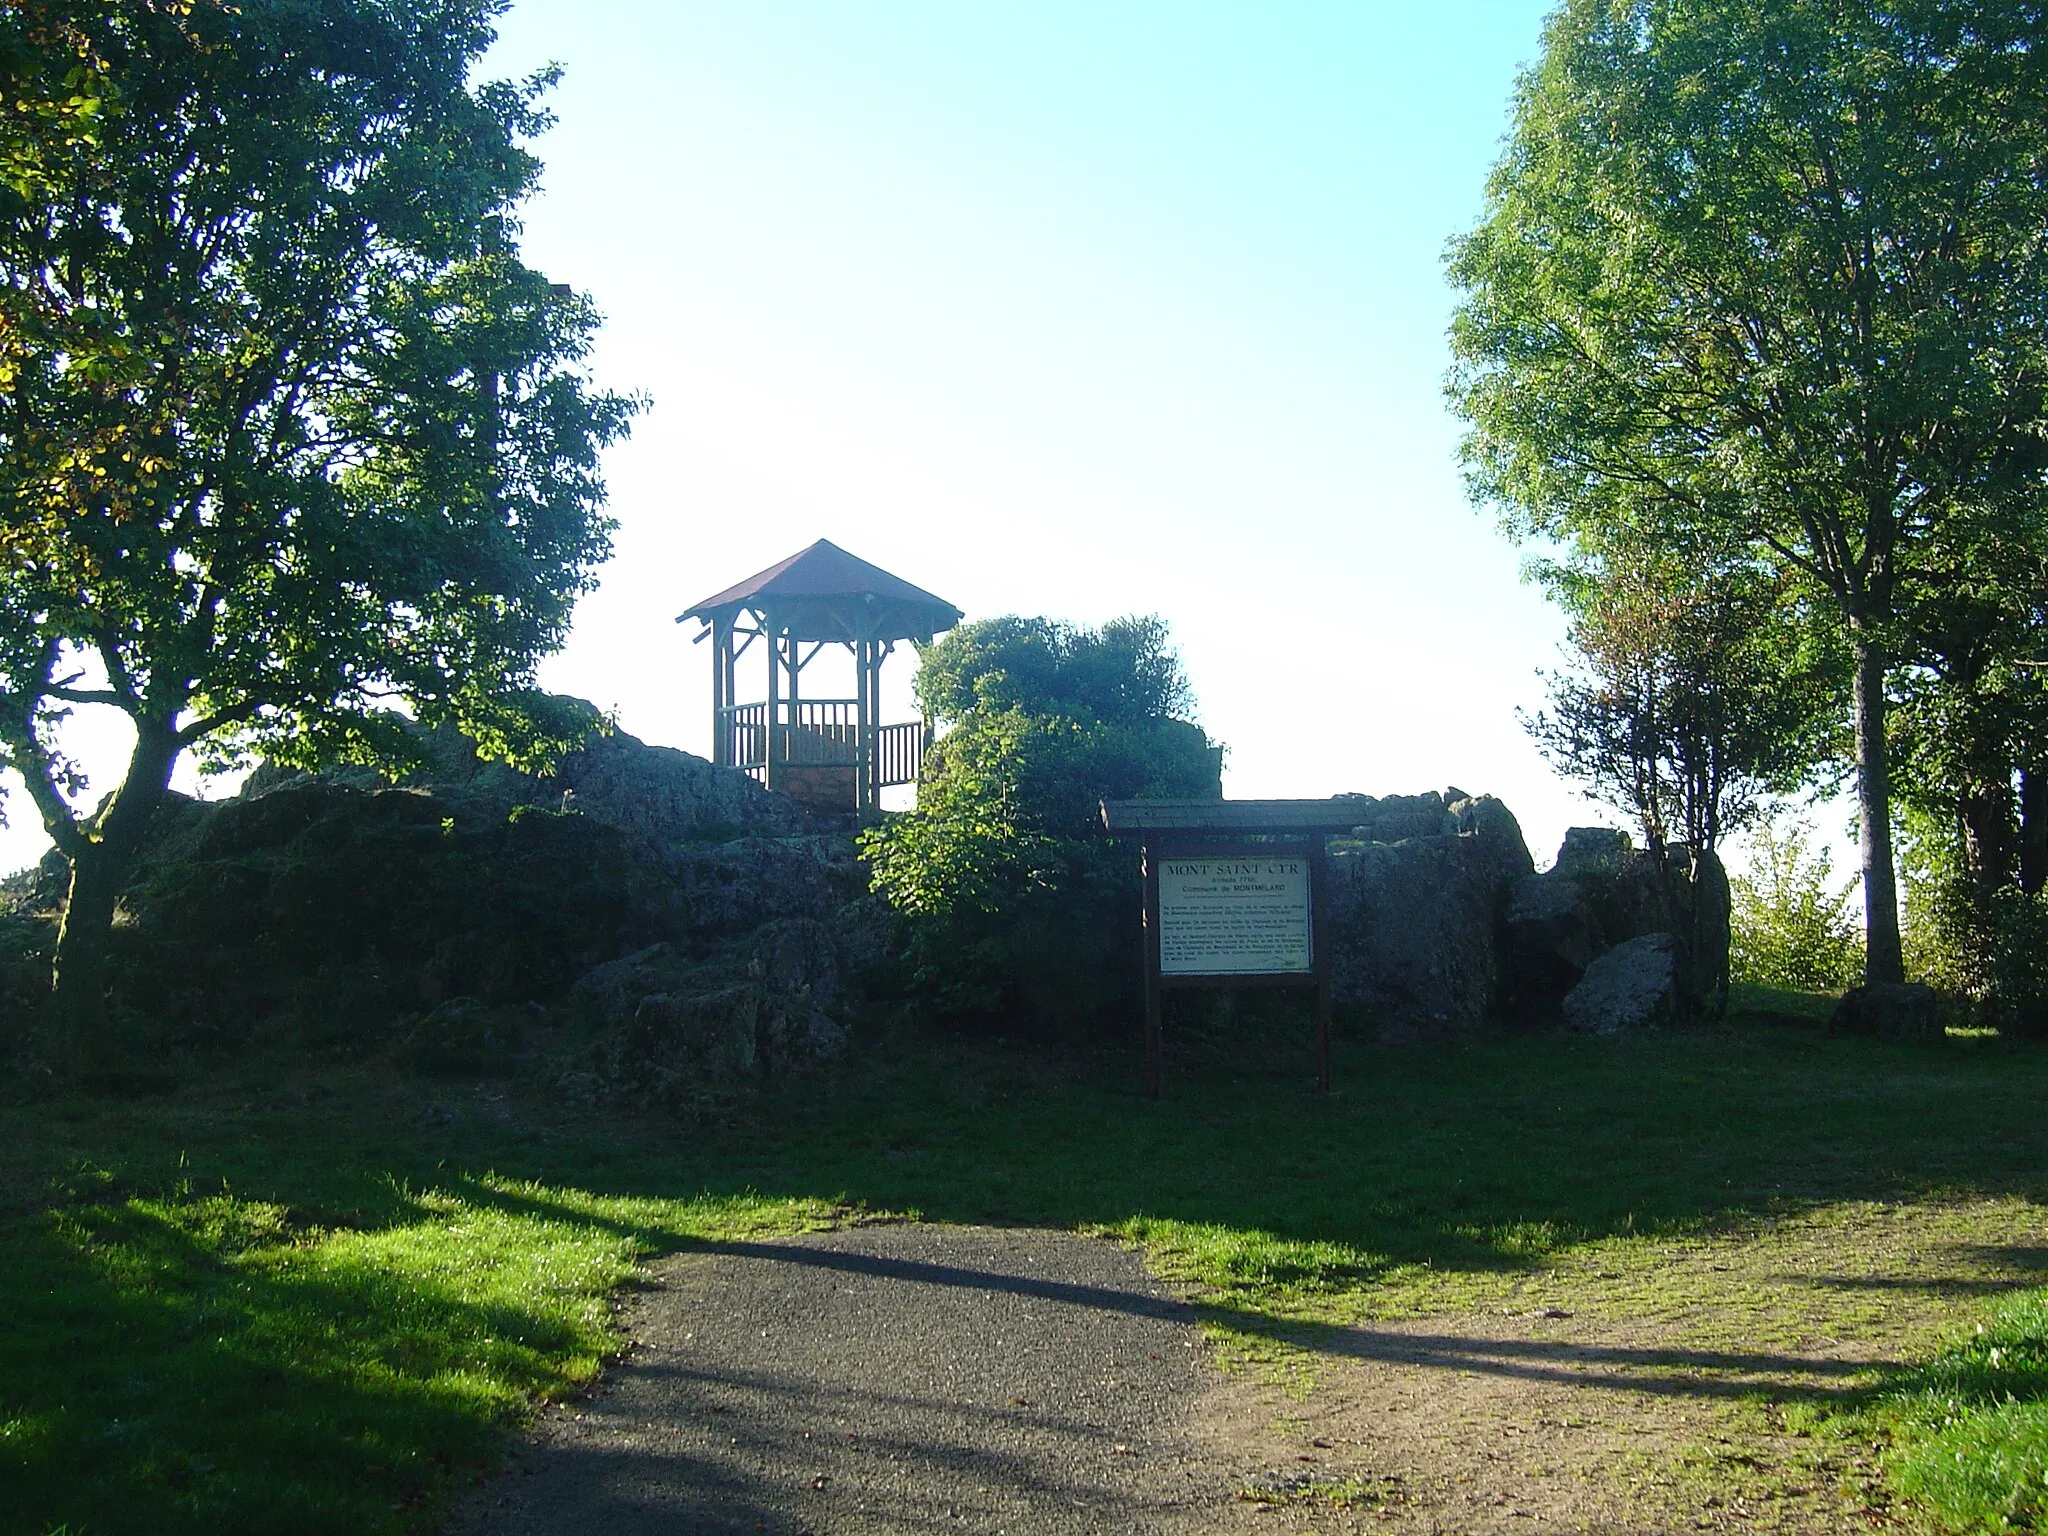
824	593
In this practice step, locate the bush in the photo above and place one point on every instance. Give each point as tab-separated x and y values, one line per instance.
2019	963
1789	928
1946	940
1015	903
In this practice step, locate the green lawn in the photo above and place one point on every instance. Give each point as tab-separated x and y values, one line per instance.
304	1303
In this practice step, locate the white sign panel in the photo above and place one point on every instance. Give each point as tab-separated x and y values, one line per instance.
1236	916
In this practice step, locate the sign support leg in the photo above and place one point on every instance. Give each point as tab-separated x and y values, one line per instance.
1154	1045
1320	950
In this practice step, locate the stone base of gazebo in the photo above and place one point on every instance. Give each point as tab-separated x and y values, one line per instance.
822	786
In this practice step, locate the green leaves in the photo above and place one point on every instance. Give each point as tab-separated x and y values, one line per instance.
293	433
1012	894
1770	282
1792	927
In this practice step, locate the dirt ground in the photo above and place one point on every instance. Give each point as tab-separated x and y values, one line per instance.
924	1377
1674	1392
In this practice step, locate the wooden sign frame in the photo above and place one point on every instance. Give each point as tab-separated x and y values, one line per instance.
1168	829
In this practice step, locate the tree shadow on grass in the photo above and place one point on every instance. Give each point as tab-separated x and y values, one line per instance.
154	1379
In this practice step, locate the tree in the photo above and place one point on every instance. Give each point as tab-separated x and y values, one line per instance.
290	433
1693	696
1769	274
1013	898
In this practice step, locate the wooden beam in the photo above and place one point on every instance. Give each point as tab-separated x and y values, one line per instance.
863	731
1266	816
1319	951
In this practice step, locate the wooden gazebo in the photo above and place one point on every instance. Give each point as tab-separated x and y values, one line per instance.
830	753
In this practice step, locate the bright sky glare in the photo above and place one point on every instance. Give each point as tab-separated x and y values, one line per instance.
1060	308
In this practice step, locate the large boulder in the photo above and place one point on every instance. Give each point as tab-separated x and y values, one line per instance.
1633	986
342	909
1889	1011
668	1030
699	929
1591	851
1412	921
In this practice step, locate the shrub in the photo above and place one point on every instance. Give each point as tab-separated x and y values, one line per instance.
2019	962
1015	903
1946	940
1790	928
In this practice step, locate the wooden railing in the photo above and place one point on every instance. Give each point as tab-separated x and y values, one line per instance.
899	751
820	732
746	737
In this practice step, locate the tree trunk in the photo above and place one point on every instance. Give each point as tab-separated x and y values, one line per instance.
1987	844
78	980
1882	958
2033	830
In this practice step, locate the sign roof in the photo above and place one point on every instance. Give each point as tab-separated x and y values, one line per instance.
1337	815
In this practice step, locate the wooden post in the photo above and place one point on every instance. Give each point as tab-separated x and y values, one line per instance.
721	641
732	670
1319	951
863	730
773	733
876	655
1154	1044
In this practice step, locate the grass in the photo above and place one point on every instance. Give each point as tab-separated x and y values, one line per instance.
305	1301
1970	1427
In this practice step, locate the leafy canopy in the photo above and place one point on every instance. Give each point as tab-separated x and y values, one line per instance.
1694	691
292	433
1771	272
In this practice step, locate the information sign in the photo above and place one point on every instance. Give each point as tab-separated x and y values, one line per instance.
1234	897
1234	916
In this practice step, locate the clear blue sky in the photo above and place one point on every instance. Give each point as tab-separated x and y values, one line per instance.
1074	309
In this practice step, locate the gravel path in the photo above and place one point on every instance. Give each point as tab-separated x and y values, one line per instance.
882	1379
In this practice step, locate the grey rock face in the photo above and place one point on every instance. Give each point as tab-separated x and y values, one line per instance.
1632	986
1549	936
1588	850
451	918
1412	920
670	1031
660	796
1679	891
1888	1011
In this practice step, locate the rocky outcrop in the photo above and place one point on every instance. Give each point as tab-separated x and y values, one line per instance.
1550	935
659	796
1603	892
671	1032
1632	986
1438	923
655	927
1416	895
